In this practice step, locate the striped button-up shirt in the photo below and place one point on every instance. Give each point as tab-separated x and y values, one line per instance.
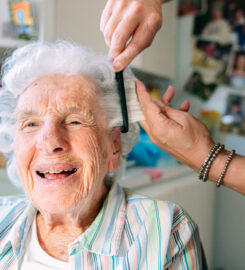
130	232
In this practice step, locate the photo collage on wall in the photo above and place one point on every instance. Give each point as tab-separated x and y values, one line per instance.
219	44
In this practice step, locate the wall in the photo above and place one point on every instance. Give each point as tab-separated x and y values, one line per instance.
229	240
229	232
183	63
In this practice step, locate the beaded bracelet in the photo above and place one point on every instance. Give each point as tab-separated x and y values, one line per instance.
231	155
216	146
207	168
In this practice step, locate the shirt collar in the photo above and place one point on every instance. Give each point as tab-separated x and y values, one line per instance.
104	234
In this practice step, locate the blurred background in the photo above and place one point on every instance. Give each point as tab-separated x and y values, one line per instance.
200	49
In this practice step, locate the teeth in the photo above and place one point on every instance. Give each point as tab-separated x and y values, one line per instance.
53	171
58	171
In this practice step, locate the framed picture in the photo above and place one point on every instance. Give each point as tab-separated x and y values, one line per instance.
221	18
237	69
23	20
238	64
233	121
210	55
188	7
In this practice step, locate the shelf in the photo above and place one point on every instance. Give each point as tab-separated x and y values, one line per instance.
136	178
12	43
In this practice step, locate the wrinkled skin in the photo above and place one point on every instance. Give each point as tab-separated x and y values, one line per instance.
61	127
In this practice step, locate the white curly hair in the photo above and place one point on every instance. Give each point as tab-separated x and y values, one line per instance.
34	60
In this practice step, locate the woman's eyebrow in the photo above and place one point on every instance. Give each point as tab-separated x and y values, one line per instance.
25	114
74	109
83	111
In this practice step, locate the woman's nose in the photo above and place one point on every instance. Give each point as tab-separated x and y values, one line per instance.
52	139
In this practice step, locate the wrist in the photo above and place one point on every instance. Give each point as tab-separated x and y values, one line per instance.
218	165
214	164
197	158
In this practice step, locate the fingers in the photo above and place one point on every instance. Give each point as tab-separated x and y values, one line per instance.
177	116
110	28
168	95
125	19
161	122
146	102
106	15
153	111
150	109
142	38
185	106
121	35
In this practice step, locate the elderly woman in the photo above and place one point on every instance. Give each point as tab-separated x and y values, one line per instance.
60	119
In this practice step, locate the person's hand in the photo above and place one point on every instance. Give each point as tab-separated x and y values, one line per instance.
129	26
175	131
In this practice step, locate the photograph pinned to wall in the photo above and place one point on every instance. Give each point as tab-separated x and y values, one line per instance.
188	7
210	60
222	21
233	121
238	66
23	22
237	69
199	86
210	55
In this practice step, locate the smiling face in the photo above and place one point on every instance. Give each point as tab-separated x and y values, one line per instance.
62	147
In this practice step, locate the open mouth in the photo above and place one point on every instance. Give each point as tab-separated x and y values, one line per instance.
56	174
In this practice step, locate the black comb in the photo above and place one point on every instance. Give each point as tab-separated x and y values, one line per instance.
122	95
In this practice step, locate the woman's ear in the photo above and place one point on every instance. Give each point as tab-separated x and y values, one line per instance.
116	148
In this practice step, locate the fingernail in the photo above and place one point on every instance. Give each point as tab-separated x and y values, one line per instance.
117	65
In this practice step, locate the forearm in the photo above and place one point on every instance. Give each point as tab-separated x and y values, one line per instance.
235	174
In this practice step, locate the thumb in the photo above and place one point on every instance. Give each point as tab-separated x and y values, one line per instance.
152	111
143	96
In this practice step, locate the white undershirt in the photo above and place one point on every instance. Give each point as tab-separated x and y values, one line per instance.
36	258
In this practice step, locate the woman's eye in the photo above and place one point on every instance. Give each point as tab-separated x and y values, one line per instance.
75	123
31	125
